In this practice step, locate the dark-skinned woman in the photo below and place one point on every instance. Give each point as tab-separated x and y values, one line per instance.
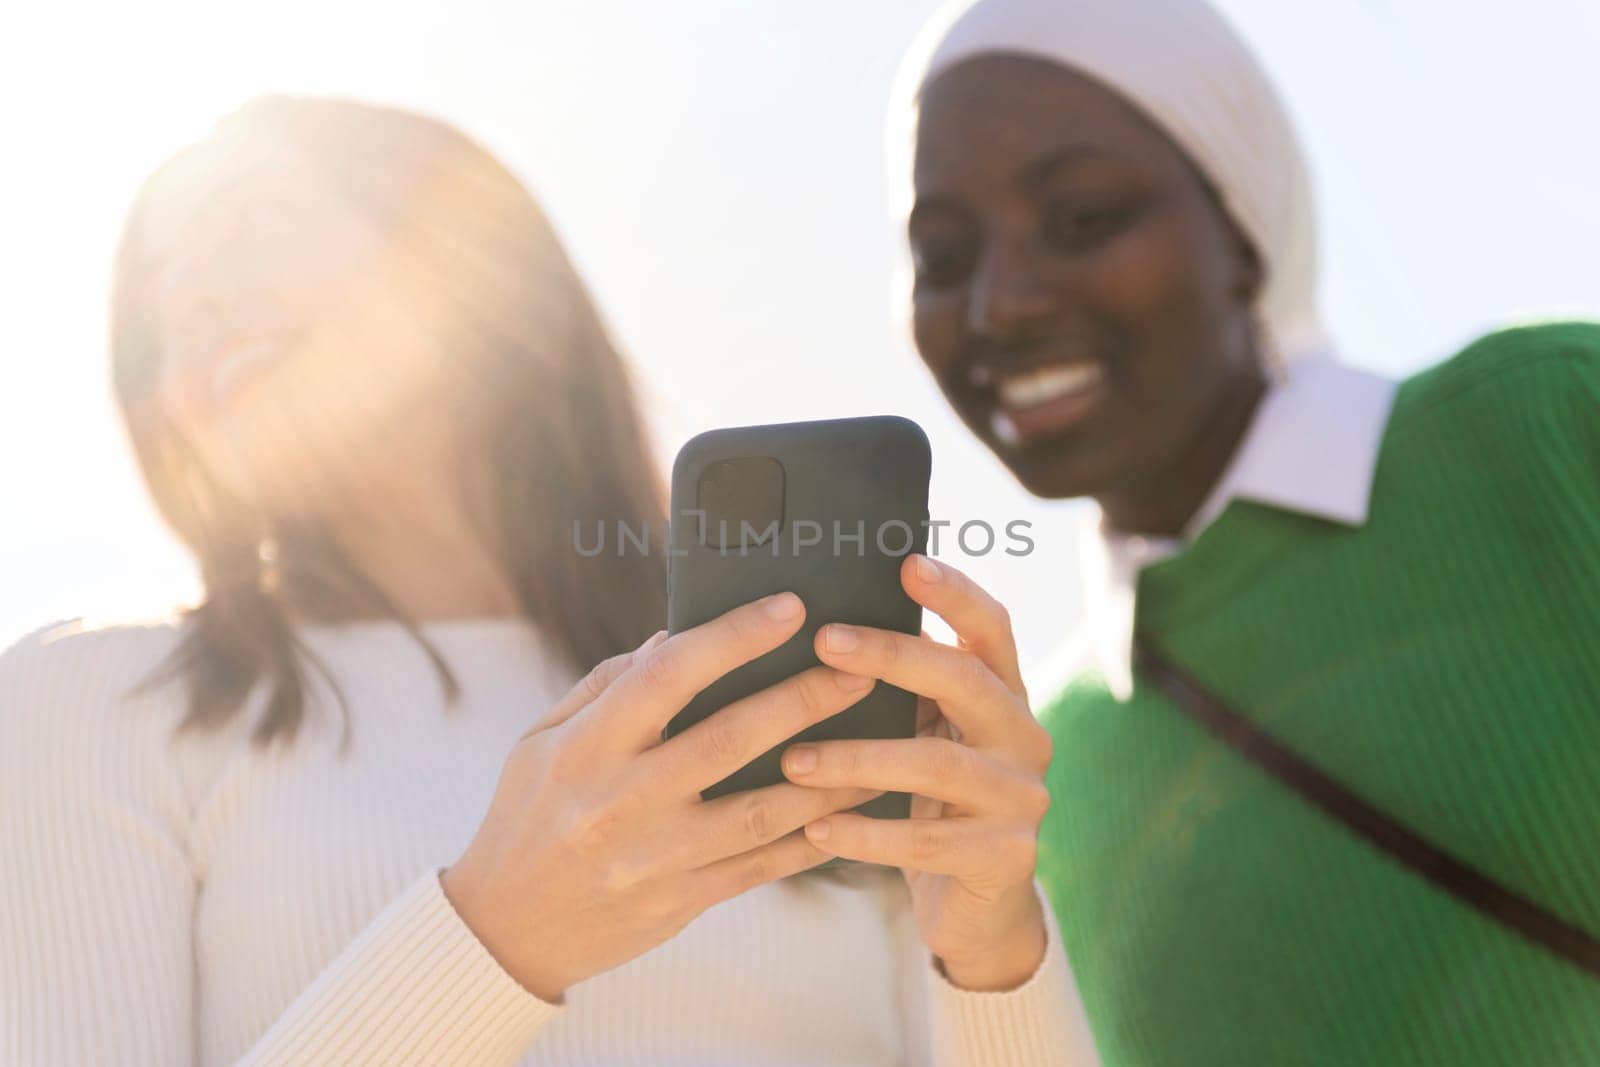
1339	808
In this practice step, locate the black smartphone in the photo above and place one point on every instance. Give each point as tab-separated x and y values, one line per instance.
828	510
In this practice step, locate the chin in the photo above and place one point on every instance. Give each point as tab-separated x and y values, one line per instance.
1053	482
1053	468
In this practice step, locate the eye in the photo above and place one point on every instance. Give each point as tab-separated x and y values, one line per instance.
943	260
1082	225
944	245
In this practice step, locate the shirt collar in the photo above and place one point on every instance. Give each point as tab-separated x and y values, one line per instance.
1312	447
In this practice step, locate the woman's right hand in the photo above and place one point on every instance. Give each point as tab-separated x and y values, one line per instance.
597	846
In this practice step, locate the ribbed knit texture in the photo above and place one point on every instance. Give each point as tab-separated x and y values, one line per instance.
198	901
1443	661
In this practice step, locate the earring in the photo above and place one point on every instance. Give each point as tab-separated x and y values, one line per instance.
269	575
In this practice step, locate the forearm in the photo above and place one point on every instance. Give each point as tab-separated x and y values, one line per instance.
416	987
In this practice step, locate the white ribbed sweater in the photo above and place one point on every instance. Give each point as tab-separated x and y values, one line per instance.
196	900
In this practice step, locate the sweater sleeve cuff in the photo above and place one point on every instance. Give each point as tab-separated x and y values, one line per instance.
1041	1021
417	987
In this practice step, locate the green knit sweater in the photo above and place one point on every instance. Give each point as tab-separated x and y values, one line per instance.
1444	661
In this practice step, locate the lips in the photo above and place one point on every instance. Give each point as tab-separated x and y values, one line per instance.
1040	400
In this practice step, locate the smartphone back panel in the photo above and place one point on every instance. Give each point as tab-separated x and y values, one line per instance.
826	509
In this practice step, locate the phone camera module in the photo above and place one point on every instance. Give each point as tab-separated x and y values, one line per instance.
741	501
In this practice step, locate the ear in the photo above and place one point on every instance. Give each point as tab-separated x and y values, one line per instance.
1251	272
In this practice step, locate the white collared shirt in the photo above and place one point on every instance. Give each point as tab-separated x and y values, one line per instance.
1312	447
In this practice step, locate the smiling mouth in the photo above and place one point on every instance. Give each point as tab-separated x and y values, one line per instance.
1042	401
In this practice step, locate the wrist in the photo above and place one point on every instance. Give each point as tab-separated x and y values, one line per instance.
460	888
1000	971
1006	963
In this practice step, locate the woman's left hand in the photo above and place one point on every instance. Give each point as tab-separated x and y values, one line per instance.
975	770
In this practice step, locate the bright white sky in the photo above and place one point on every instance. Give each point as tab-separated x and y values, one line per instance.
717	169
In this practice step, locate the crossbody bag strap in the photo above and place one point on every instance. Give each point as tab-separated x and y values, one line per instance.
1461	880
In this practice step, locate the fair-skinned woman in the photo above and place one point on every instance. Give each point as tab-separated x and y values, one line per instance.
1338	808
370	394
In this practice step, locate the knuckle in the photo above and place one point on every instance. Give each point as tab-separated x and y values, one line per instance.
594	683
949	759
1000	618
811	690
1043	747
889	649
596	831
742	627
1038	802
760	868
601	675
928	840
845	757
974	674
758	819
614	877
720	741
592	833
660	667
1022	854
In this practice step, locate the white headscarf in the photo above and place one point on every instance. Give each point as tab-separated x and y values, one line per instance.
1186	69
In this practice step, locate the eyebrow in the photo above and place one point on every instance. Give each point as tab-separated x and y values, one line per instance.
1033	174
1040	170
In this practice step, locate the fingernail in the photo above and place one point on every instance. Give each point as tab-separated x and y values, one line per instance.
800	760
842	638
817	831
655	639
928	570
784	606
852	683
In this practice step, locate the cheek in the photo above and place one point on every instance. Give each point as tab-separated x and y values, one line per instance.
1163	286
937	327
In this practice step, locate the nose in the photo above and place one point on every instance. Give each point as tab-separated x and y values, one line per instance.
1010	295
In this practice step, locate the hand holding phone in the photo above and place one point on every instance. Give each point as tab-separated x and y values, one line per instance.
976	772
598	844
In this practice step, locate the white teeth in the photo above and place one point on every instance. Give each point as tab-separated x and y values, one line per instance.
1048	383
1005	431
